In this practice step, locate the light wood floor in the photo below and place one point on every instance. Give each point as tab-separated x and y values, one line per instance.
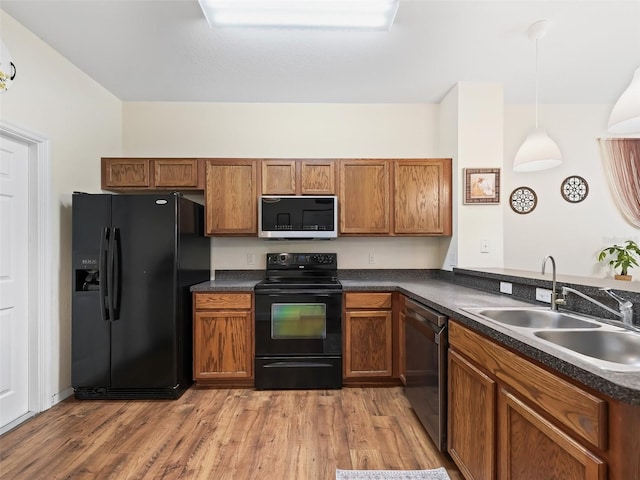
223	434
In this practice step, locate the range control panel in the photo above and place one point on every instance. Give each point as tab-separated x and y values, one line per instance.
278	261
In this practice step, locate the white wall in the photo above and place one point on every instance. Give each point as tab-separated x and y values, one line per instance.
82	122
293	130
480	144
572	233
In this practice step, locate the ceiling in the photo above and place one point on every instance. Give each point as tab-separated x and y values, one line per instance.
164	50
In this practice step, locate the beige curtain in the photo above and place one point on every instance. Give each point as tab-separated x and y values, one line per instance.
621	158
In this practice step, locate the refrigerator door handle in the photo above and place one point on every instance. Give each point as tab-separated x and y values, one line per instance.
103	273
116	279
110	276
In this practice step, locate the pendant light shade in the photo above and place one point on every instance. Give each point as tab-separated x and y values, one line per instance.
625	116
539	151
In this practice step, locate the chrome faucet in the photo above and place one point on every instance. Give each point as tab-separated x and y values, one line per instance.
626	307
554	295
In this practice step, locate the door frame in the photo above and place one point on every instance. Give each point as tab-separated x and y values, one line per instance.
42	289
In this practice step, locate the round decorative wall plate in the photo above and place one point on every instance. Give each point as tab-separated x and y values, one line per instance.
523	200
574	189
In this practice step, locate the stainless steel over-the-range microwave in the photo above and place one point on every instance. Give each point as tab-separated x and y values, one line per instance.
298	217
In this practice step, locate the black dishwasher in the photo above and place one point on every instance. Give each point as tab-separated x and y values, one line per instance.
426	368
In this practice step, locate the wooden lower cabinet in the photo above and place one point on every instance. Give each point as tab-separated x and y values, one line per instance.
532	447
223	339
510	419
368	354
471	424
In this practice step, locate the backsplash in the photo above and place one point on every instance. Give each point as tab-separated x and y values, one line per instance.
524	288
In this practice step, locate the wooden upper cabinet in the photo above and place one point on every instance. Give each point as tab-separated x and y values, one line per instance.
175	173
231	204
365	203
317	177
298	177
126	173
422	197
278	177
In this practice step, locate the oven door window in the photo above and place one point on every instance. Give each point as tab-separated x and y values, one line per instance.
298	321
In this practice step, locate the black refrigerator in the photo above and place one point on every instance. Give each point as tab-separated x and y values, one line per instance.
134	259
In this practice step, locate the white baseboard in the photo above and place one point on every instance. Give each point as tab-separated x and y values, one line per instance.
58	397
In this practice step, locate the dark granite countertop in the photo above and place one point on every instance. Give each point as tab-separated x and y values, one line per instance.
441	293
226	285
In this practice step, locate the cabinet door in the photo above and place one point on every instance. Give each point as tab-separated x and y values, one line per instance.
222	345
125	173
175	173
422	197
230	196
317	177
471	419
278	177
532	447
369	346
365	203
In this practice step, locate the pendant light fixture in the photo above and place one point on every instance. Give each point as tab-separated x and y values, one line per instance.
625	116
539	151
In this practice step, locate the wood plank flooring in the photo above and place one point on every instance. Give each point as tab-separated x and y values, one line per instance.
220	434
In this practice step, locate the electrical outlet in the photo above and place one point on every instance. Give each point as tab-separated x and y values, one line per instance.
251	258
506	287
372	258
484	246
543	295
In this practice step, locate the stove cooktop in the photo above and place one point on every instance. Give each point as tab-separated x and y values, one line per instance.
301	270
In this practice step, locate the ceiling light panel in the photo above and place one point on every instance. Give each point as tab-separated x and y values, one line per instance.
331	14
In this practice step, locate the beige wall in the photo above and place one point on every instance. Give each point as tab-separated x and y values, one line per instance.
572	233
474	135
82	121
293	130
474	128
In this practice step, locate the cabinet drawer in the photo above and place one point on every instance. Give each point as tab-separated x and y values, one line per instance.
367	300
575	408
207	301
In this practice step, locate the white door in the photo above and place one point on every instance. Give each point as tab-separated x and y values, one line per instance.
14	267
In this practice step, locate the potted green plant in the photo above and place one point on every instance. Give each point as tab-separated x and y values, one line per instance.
622	257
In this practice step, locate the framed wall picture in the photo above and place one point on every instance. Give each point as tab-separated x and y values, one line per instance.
482	185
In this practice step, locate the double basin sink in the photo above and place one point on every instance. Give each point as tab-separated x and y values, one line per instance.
610	347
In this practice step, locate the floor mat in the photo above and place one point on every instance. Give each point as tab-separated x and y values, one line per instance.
437	474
